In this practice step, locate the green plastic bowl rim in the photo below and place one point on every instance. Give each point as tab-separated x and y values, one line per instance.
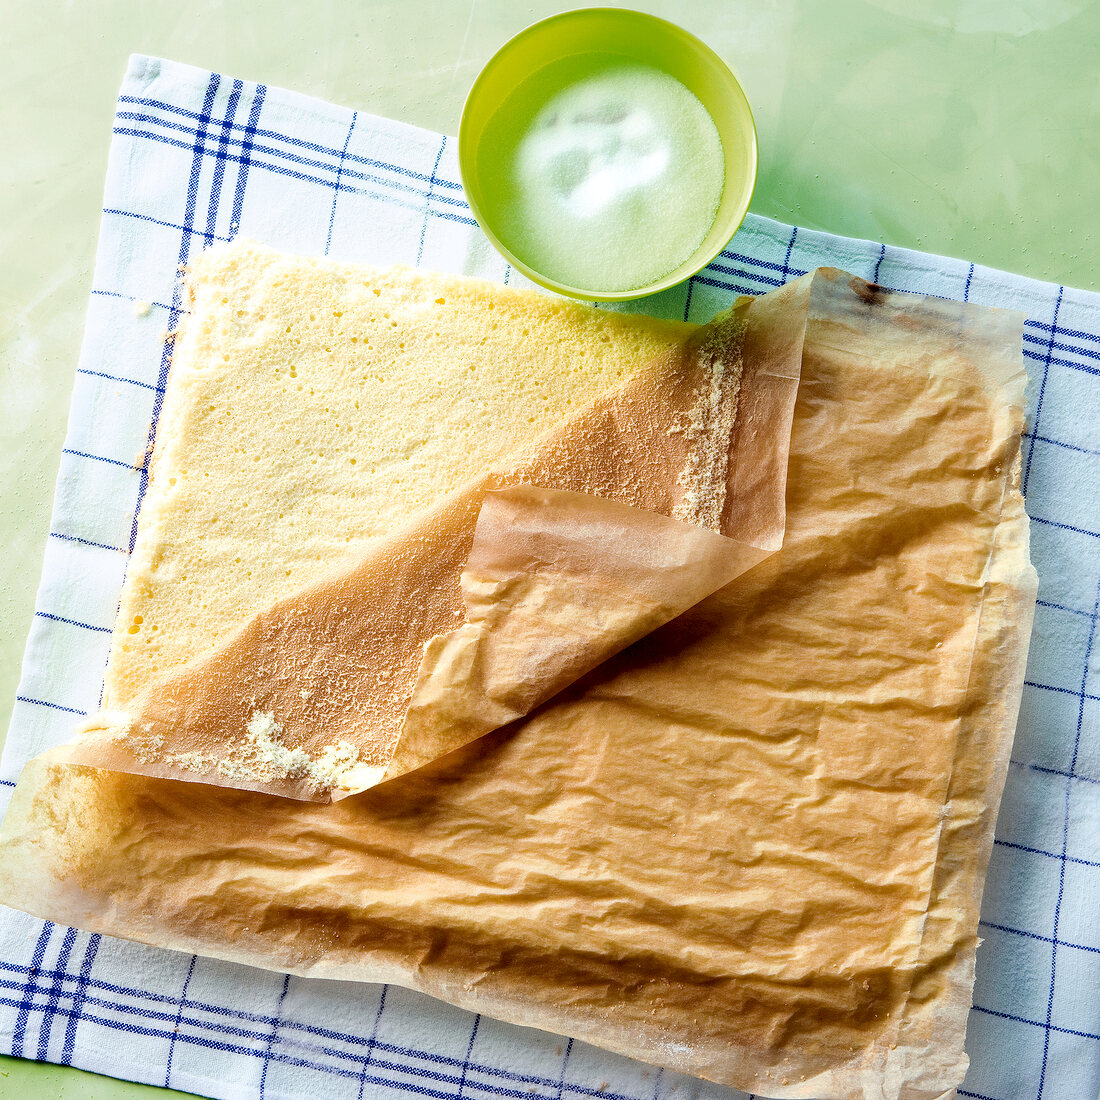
464	155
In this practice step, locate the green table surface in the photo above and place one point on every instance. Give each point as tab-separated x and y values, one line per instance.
966	127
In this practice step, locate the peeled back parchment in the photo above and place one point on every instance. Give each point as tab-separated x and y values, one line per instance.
750	847
605	528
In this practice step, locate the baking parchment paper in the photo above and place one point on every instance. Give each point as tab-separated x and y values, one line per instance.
606	528
749	847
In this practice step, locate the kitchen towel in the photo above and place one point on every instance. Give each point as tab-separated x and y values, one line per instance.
198	158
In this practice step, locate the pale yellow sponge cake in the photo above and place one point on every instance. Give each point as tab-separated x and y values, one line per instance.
313	406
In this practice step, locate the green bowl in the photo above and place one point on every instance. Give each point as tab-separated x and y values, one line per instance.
634	36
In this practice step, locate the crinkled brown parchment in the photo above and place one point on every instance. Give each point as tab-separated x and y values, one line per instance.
750	846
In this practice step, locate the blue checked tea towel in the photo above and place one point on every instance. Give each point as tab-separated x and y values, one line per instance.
198	158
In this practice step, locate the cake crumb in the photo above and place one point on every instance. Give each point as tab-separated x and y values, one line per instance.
262	755
709	426
119	728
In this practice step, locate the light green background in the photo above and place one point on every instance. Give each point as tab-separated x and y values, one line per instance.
968	127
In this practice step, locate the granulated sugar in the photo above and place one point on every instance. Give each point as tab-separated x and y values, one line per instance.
615	172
